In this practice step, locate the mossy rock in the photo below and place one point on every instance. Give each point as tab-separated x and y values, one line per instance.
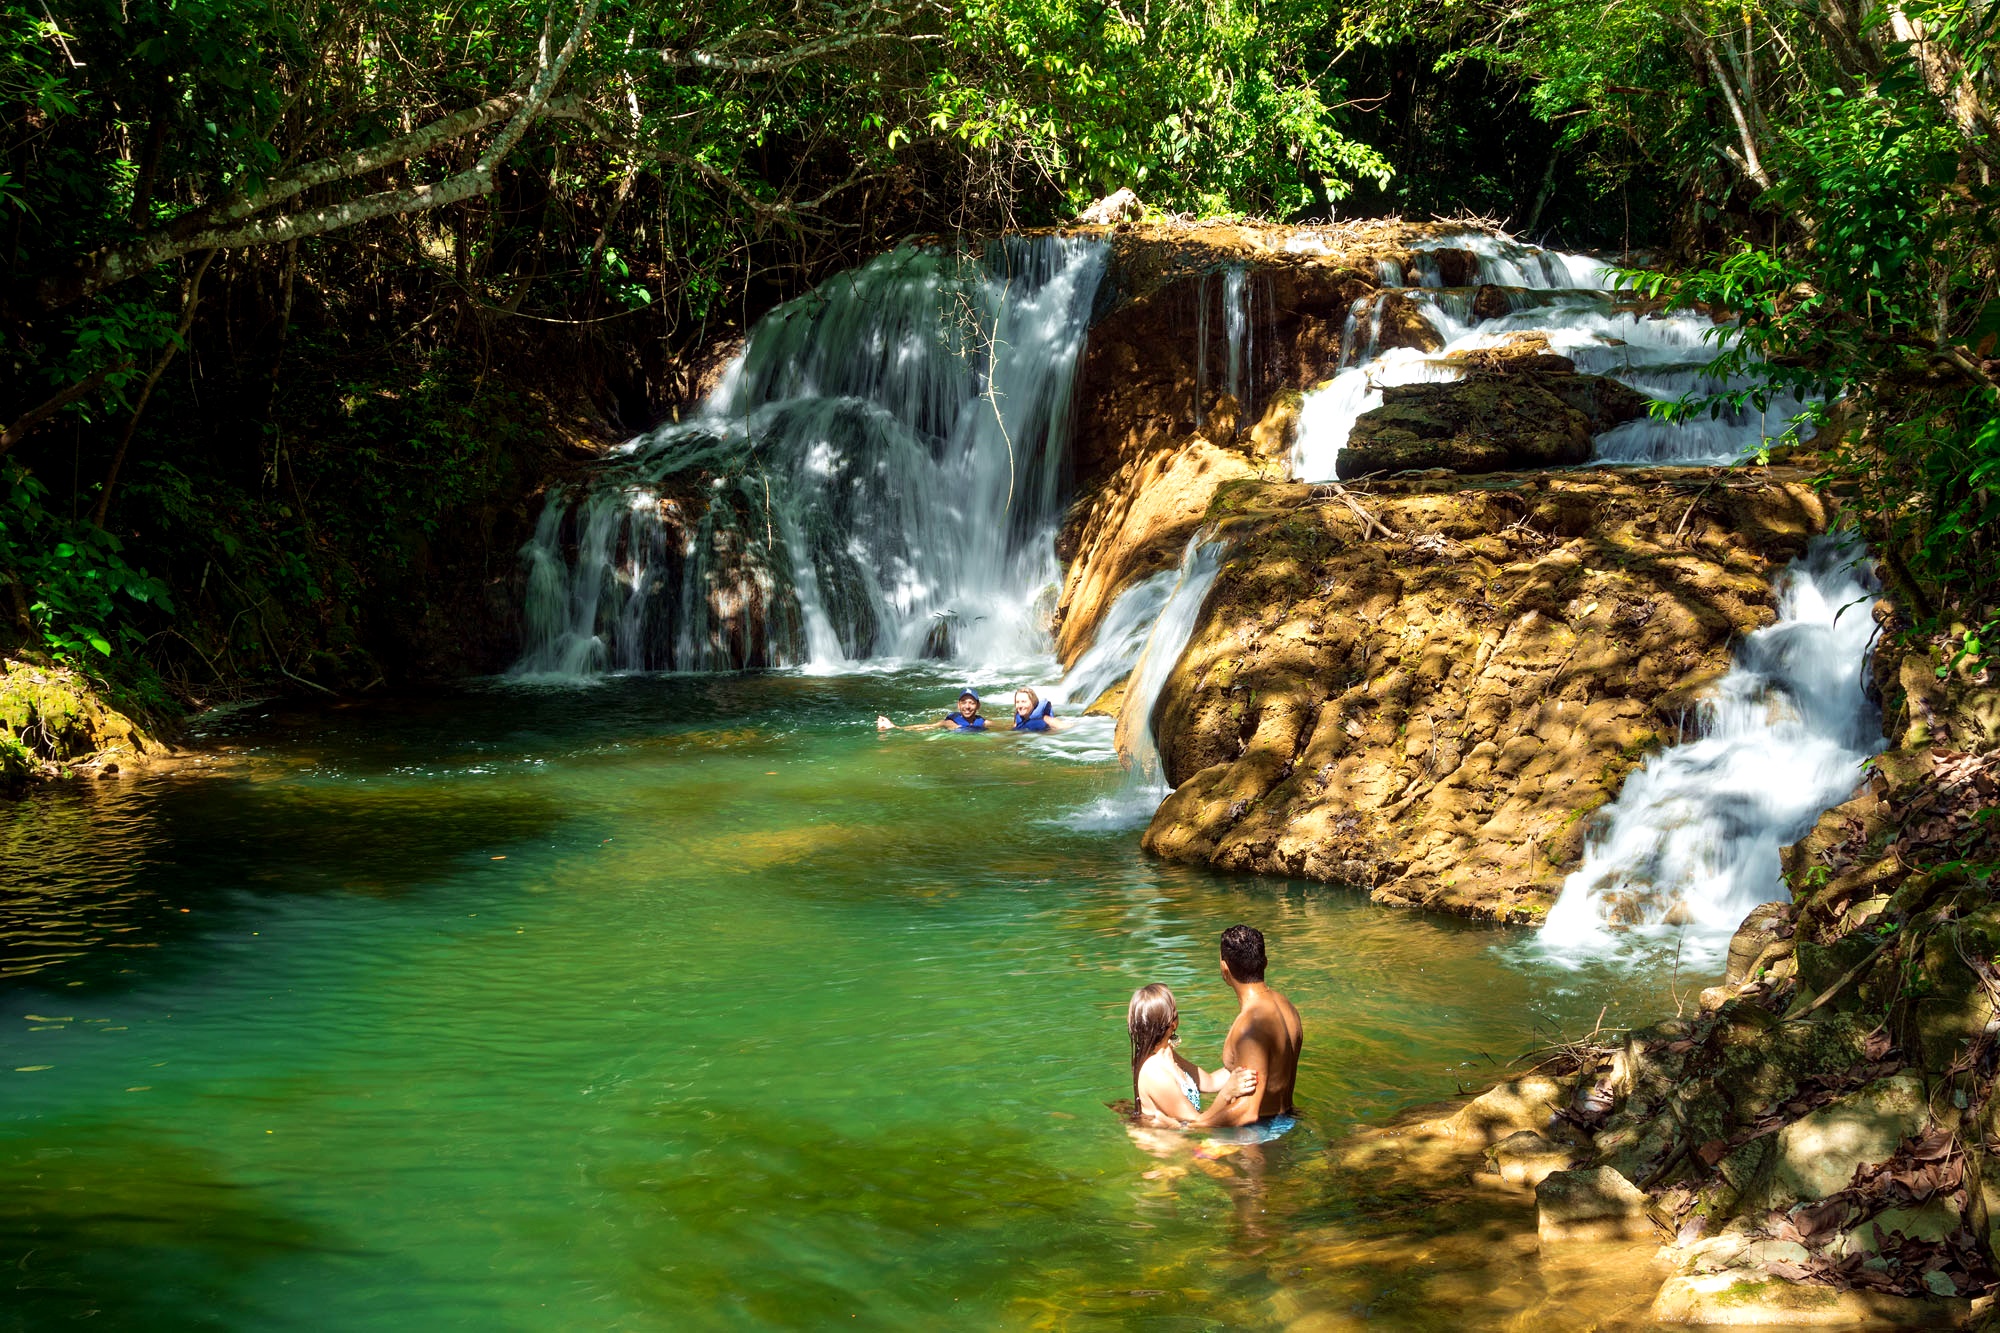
51	718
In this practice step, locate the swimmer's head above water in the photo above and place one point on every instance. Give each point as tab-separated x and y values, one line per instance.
964	717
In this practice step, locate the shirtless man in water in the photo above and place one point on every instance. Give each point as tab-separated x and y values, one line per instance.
1266	1036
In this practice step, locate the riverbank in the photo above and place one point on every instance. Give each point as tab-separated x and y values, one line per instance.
1816	1140
57	723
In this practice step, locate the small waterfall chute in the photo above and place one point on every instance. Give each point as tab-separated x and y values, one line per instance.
1691	843
1175	625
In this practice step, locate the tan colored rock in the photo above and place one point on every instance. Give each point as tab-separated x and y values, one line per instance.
1595	1205
1736	1297
1756	933
1506	1109
1527	1158
1818	1154
1433	717
1139	524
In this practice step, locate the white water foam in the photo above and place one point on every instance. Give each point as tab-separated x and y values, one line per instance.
1691	844
1145	786
885	465
1573	301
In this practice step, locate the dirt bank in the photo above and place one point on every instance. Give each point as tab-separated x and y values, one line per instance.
57	723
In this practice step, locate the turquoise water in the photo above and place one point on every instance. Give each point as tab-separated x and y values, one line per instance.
693	1003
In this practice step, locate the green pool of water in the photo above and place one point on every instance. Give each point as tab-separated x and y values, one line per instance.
689	1003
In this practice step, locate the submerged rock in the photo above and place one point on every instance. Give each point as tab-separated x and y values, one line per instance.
1527	1158
1591	1205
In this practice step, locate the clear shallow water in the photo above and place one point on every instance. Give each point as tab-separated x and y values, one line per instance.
763	1021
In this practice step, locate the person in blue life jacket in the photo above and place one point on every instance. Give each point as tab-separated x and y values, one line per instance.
1034	713
964	718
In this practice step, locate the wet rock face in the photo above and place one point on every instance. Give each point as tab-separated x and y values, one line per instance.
1508	413
1433	716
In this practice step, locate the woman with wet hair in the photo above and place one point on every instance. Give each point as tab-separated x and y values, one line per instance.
1033	713
1167	1086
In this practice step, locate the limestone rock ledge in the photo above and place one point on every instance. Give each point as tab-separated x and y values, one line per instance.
1432	715
1819	1144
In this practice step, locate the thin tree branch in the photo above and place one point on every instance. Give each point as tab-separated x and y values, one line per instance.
56	402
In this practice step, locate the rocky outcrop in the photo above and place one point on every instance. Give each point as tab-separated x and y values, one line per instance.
1507	413
1432	714
54	722
1819	1144
1158	432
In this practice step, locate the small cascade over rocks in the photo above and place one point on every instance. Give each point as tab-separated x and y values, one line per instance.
1120	638
1164	644
1475	293
1140	641
1693	838
879	474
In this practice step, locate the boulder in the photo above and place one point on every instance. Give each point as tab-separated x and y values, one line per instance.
1504	1110
1757	932
1478	424
1518	406
1527	1158
1397	321
1742	1298
1491	302
1590	1205
1818	1154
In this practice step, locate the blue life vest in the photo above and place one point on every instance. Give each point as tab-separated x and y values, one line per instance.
1037	718
976	724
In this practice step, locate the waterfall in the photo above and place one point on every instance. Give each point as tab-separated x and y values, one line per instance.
1162	650
1693	838
1573	301
1236	318
880	473
1120	638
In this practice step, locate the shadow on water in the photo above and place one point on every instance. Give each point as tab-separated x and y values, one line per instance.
98	1225
105	880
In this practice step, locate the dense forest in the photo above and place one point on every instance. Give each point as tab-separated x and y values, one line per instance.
305	299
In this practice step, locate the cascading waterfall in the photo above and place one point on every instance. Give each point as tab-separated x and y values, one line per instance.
1573	301
1692	840
1165	642
1120	639
878	474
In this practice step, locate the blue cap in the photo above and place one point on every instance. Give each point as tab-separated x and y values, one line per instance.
968	694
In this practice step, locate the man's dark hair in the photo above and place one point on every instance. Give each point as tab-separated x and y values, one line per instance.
1243	950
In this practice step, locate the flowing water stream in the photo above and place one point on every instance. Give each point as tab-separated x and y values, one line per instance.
1691	844
1574	303
690	1002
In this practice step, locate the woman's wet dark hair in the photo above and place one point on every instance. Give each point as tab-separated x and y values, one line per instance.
1148	1018
1243	950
